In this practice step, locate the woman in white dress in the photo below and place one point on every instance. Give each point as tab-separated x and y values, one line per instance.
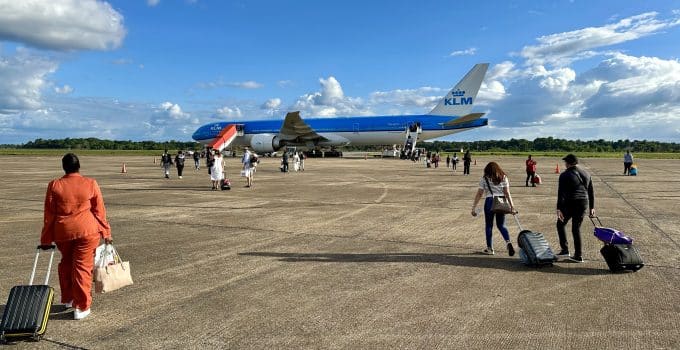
296	161
217	171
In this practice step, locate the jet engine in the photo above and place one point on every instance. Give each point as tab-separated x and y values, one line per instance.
265	143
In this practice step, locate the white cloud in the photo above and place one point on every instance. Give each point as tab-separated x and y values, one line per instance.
230	112
631	85
563	48
467	52
62	24
330	101
407	98
249	84
152	3
22	78
64	90
272	103
168	111
246	85
285	83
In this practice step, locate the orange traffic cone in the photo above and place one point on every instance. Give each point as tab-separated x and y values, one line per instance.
557	168
123	170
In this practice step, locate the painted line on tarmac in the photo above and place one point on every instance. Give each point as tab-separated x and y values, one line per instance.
649	221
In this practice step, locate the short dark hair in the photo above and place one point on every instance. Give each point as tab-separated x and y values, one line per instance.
70	163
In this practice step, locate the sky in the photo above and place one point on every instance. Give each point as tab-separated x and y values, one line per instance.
159	69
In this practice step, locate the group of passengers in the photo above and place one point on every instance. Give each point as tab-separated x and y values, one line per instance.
575	199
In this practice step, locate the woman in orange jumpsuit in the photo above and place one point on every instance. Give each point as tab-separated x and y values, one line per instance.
75	219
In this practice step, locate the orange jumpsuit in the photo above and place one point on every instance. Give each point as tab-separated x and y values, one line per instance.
75	219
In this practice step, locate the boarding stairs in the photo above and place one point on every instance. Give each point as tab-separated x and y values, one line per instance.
412	132
226	136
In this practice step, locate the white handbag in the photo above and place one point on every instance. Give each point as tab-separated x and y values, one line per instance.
109	277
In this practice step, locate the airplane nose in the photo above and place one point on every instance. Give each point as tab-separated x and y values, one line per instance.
197	134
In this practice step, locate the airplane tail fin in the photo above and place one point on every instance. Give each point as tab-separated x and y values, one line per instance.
459	100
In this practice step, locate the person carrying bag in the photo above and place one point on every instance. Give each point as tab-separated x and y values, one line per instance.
495	206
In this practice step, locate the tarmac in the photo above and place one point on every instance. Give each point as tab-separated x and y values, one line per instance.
352	254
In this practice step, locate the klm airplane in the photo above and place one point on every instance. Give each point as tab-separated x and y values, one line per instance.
451	115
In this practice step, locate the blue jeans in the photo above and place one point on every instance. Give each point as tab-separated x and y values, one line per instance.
500	222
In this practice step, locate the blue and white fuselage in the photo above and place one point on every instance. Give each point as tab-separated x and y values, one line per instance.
450	116
378	130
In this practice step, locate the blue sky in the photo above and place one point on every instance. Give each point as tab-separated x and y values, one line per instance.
158	69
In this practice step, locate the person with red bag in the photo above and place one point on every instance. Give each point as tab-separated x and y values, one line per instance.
531	171
75	219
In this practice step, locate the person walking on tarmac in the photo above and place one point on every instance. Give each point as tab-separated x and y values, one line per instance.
531	171
284	162
179	163
197	158
467	159
166	162
75	219
627	162
575	196
494	182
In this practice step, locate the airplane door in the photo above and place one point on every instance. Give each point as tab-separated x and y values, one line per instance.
355	128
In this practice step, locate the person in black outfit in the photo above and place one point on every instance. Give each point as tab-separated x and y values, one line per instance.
284	162
467	159
574	196
209	158
179	163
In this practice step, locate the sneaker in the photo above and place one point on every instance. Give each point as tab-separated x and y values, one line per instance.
563	253
577	259
488	251
180	177
511	249
79	315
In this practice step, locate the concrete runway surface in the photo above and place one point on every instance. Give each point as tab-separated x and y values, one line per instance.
353	254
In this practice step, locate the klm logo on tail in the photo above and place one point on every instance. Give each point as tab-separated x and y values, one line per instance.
459	101
453	101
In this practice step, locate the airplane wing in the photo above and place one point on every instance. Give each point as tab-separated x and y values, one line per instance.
295	129
464	119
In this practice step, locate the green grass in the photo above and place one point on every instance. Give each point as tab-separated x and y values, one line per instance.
552	154
80	152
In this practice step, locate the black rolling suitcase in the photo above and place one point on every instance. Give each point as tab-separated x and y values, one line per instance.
28	307
534	250
620	257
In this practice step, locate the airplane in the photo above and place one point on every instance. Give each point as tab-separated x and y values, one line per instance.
451	115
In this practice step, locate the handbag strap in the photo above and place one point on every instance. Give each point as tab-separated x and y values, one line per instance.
489	185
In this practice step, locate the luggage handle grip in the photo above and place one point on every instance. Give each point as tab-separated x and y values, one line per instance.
593	221
35	262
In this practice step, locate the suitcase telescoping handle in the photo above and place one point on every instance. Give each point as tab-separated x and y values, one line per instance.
593	221
516	216
50	247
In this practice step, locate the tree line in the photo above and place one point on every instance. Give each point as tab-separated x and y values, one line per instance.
97	144
513	145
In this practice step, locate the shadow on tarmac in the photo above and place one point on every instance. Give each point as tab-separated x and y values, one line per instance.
468	260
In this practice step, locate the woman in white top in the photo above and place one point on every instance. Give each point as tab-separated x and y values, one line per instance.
296	161
494	182
217	171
